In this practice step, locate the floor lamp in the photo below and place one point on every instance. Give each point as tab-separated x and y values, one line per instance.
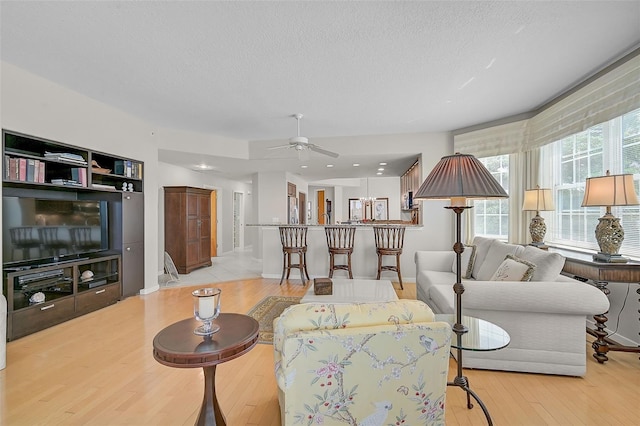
459	177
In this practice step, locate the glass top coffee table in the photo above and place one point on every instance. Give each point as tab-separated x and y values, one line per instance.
481	335
353	291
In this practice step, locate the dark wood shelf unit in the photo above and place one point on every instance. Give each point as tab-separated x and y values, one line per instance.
66	294
107	169
101	176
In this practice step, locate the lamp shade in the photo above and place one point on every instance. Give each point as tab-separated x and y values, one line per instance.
460	176
538	199
610	190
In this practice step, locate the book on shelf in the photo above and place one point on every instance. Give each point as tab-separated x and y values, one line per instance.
31	169
79	174
102	186
36	171
41	175
65	182
24	170
66	157
128	168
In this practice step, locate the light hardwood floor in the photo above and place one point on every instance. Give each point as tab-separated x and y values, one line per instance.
99	370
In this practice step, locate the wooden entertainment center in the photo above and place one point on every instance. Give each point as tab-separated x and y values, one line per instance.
73	231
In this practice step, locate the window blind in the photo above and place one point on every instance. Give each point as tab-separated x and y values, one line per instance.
609	96
606	97
492	141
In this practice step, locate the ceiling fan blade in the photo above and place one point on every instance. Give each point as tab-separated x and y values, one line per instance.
319	150
280	146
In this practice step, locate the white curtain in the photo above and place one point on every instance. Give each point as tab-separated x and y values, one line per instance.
524	173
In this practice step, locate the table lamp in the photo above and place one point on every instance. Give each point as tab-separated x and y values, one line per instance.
609	190
537	200
459	177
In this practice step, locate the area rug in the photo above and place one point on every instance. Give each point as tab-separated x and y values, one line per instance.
266	311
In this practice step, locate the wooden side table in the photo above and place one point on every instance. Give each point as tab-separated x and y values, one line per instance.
581	266
177	346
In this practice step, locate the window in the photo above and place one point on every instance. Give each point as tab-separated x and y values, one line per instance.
613	146
491	217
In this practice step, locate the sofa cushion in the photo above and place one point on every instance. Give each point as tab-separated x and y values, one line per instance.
548	265
498	251
482	248
467	259
442	299
514	269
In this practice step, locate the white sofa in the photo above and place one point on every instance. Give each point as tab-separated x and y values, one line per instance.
545	317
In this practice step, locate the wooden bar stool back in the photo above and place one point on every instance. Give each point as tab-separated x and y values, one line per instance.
389	242
294	241
340	241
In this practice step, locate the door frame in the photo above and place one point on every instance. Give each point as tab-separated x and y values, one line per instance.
238	221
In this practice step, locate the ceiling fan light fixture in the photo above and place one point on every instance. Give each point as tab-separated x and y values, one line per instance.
299	140
301	143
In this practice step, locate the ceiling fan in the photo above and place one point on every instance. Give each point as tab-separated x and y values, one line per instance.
301	143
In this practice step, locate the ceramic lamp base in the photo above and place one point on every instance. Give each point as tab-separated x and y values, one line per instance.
609	234
537	229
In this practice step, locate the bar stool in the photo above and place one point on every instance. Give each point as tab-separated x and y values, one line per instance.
294	241
340	241
389	242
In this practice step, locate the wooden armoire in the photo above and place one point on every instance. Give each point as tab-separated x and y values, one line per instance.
187	227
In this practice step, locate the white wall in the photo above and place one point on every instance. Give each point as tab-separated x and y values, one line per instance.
38	107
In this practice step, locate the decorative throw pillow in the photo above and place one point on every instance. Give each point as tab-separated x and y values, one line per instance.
467	259
514	269
495	256
548	265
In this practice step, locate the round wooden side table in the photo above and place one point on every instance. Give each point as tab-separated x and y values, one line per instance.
177	346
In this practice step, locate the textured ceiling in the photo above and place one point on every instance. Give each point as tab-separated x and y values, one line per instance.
240	69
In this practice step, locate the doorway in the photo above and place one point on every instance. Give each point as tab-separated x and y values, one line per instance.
214	224
238	228
321	212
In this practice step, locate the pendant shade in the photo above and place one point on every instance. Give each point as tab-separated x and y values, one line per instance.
460	176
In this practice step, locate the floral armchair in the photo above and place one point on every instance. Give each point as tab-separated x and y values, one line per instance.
366	364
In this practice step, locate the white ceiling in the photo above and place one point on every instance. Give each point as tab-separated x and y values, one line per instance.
239	69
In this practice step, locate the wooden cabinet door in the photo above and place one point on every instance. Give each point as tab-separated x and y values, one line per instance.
204	217
188	227
198	228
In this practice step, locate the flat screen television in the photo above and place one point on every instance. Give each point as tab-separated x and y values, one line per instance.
38	230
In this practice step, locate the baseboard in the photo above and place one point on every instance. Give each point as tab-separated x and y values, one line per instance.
149	290
617	337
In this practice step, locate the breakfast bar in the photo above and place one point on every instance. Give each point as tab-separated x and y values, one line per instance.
364	258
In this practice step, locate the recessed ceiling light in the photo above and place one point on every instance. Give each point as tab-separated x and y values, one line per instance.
356	164
329	165
304	166
203	167
383	164
379	173
381	169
